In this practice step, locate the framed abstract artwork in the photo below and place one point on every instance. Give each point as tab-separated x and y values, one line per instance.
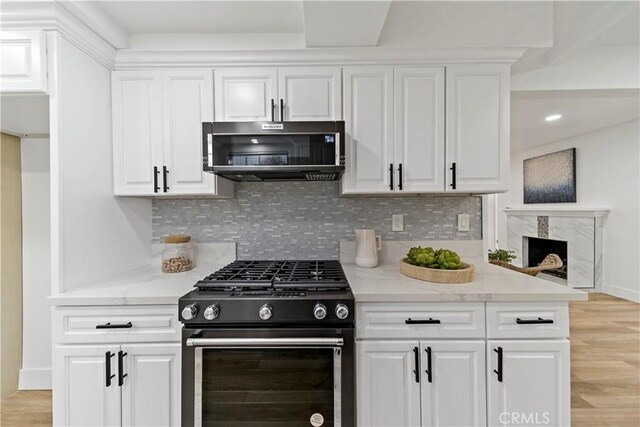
550	178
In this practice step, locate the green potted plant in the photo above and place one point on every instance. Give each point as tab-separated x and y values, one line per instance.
501	255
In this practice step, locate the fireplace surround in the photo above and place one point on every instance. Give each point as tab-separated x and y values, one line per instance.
580	231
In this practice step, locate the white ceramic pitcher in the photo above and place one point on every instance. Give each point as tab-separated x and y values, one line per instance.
367	246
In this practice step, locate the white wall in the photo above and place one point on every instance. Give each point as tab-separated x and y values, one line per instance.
36	265
607	166
94	234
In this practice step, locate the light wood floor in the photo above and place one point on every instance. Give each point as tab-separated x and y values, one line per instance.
605	370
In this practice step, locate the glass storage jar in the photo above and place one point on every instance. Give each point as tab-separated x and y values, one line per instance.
178	254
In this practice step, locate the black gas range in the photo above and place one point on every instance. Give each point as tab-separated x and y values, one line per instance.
269	342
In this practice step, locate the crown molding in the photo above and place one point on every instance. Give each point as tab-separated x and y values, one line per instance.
50	16
137	58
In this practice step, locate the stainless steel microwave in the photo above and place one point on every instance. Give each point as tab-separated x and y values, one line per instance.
274	151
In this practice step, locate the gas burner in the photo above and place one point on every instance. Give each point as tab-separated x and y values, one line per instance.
291	275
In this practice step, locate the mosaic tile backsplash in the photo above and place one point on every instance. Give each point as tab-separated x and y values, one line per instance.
307	220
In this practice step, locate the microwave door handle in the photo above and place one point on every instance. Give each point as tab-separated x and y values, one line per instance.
264	342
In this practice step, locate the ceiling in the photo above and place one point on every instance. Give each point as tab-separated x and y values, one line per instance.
582	112
215	17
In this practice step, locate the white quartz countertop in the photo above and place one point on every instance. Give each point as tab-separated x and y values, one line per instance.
385	283
148	284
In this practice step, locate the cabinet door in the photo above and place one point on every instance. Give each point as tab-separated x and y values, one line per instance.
368	107
137	131
246	94
82	395
419	129
24	62
151	389
387	390
310	93
535	384
188	101
478	128
453	383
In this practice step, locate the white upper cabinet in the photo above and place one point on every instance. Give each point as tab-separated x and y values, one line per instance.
528	379
23	56
246	94
310	94
477	128
388	393
453	383
157	133
419	129
368	108
137	131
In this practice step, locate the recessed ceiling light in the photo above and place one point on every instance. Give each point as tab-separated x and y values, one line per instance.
553	117
255	141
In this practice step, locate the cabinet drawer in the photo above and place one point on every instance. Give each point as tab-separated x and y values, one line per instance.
528	320
147	324
409	320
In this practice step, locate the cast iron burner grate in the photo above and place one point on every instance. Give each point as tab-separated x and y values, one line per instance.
280	275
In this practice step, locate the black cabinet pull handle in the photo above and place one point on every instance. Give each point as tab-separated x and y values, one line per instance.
499	371
400	176
164	177
428	370
155	179
107	367
391	176
110	325
282	110
416	357
453	176
429	321
121	374
273	110
537	321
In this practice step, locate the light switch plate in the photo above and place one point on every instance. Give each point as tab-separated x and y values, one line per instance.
463	222
397	222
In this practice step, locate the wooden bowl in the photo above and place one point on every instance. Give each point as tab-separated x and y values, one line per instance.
463	275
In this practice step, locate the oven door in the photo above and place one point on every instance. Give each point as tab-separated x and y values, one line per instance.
292	378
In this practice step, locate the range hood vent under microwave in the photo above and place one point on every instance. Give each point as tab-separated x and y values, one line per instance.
274	151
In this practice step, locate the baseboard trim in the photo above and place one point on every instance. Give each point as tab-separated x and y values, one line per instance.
35	379
619	292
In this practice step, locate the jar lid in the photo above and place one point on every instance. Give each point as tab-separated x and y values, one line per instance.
178	238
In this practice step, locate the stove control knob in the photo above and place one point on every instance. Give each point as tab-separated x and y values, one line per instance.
212	312
320	311
266	311
190	311
342	311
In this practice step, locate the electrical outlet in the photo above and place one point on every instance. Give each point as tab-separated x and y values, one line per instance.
463	222
397	222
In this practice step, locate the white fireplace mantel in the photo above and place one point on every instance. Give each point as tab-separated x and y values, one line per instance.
591	212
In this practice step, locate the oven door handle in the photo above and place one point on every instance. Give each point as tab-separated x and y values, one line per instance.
264	342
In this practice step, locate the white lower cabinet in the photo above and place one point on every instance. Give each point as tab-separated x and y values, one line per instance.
448	376
387	392
453	383
116	366
530	385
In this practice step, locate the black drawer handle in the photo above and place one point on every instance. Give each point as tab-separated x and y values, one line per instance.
428	321
453	176
115	326
499	371
537	321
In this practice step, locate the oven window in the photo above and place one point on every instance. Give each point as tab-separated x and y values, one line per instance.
267	387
